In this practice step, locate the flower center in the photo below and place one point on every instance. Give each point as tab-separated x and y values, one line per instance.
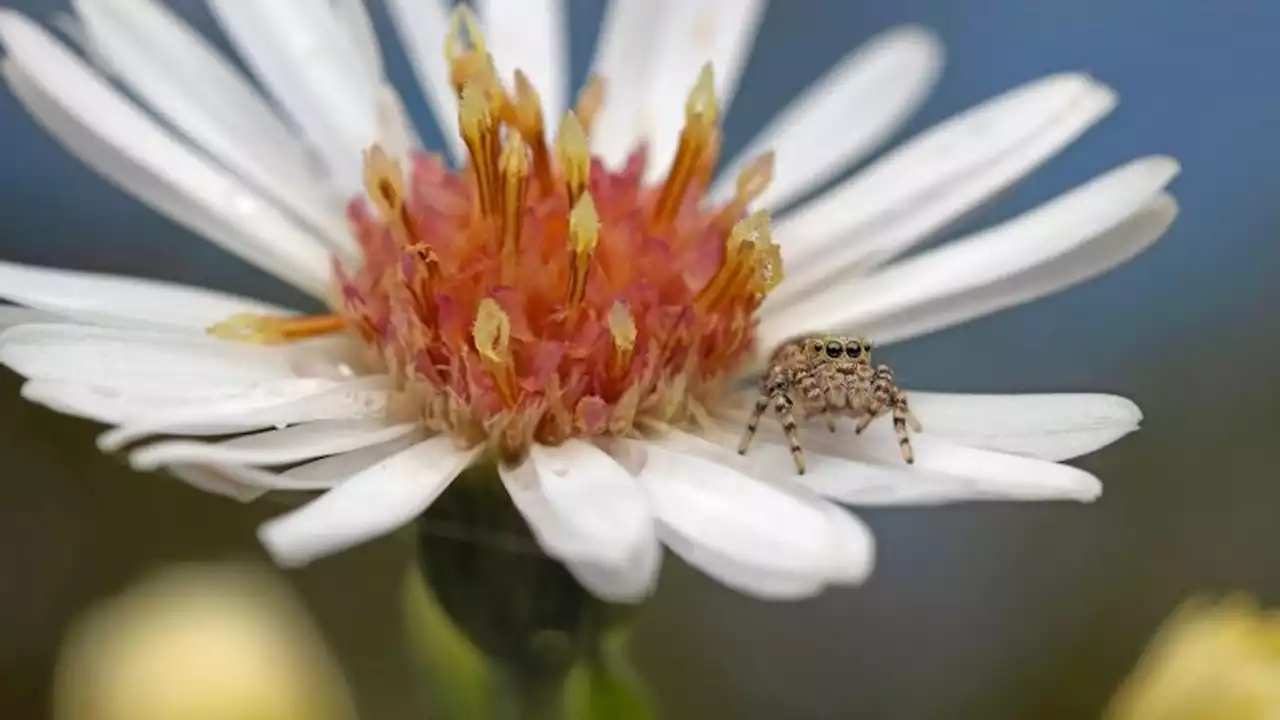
536	295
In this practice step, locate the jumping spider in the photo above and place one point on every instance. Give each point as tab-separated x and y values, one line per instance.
829	375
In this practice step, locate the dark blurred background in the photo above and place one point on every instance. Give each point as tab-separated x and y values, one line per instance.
980	611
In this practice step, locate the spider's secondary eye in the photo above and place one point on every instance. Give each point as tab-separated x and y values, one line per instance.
853	350
833	350
817	346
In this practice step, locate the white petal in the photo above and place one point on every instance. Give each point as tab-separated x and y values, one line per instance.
212	480
853	549
876	305
123	301
119	141
11	316
249	483
188	83
299	50
529	35
330	471
1082	263
584	508
1046	426
354	17
422	26
750	535
278	404
933	180
843	115
138	359
868	469
273	447
624	59
373	503
694	32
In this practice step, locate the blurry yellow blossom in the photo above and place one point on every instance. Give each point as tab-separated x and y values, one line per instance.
1208	662
199	643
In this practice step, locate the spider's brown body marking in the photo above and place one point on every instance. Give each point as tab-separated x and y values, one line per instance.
829	376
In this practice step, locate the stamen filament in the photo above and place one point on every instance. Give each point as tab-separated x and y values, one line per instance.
526	112
751	184
701	116
622	326
480	134
515	179
266	330
590	100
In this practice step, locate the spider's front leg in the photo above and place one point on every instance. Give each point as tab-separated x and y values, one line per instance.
775	391
888	397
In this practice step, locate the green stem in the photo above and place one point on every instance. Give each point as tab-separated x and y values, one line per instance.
512	635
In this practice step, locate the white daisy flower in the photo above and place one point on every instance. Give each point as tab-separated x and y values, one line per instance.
578	301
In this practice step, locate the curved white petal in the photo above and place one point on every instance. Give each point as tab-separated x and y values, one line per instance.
245	483
623	60
933	180
422	26
1082	263
313	66
120	142
843	115
175	71
947	274
213	480
278	403
853	554
370	504
584	508
750	535
123	301
1045	426
273	447
529	35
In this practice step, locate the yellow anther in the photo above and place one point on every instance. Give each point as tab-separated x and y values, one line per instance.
464	33
584	233
702	105
698	141
514	170
385	186
491	333
590	100
752	263
465	51
574	156
480	134
267	330
754	180
622	326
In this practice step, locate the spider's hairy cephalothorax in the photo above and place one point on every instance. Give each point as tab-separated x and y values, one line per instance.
829	375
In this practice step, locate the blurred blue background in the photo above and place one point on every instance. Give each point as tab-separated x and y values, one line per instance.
992	611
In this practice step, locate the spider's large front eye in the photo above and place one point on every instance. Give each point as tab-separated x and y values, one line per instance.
834	350
853	350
